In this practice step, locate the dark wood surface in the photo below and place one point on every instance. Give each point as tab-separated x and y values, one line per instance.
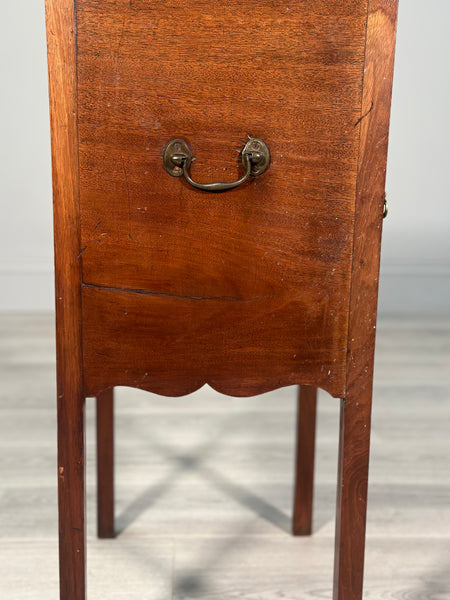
105	464
173	346
272	256
356	408
71	463
304	471
270	284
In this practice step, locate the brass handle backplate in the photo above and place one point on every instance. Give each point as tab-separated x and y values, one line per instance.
178	157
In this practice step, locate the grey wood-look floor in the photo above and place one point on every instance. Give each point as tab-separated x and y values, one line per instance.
204	483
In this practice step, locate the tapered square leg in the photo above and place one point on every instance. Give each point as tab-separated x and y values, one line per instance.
71	496
105	464
304	472
352	496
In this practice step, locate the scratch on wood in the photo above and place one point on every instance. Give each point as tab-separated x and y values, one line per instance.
365	115
81	252
128	197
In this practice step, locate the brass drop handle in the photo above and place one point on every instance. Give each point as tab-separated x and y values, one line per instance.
178	157
220	186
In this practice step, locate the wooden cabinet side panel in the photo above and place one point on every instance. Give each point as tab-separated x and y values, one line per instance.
291	75
173	345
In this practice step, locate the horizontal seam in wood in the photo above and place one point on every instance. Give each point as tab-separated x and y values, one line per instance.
166	294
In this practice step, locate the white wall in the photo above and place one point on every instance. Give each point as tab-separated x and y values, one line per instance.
415	274
416	241
25	182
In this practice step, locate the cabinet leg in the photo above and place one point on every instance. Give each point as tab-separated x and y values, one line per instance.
351	506
304	472
105	464
71	497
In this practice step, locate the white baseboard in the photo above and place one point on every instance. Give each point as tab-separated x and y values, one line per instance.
27	287
415	290
404	289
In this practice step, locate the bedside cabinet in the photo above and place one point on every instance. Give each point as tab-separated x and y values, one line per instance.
218	178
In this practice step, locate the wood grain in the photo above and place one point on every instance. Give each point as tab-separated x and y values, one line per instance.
288	74
105	464
356	407
63	111
173	345
304	472
268	285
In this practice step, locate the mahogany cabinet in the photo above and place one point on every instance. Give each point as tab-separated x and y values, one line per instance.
218	179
